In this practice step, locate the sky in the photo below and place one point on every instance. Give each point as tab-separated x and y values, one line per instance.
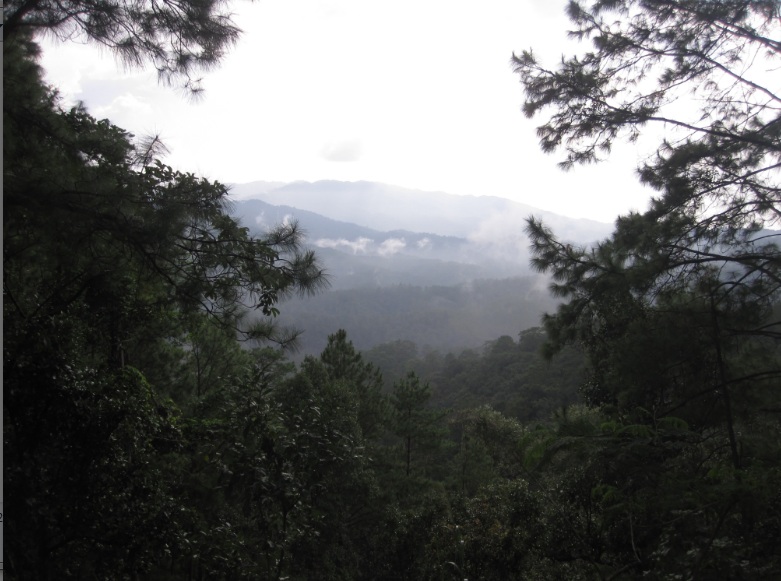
418	94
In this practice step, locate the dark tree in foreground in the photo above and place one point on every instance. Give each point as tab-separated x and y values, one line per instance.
418	426
345	364
704	255
111	260
678	309
702	72
177	38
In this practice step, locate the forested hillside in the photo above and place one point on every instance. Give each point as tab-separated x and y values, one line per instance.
355	256
490	244
441	292
512	377
443	318
156	426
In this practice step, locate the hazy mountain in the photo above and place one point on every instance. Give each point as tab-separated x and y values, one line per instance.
356	256
442	318
371	234
324	232
253	189
385	208
444	271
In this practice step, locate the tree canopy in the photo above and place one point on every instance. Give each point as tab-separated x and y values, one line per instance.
178	39
703	71
678	309
118	271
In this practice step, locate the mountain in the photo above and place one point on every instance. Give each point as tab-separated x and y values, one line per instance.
371	234
350	237
385	208
356	256
444	271
439	318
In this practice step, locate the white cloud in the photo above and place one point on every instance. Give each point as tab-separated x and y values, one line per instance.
501	236
331	83
341	151
128	111
68	65
359	245
424	243
391	246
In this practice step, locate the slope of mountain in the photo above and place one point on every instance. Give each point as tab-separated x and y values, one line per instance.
325	232
441	318
444	271
356	256
384	207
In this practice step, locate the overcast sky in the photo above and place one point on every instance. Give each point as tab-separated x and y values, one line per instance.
417	94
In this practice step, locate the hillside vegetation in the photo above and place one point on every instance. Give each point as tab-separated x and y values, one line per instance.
443	318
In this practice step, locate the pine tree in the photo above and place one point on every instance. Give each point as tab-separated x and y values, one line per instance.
178	39
416	425
110	259
677	310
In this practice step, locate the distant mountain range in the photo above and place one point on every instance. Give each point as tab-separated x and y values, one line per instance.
372	234
409	264
385	207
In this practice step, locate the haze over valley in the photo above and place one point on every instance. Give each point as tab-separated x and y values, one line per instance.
444	271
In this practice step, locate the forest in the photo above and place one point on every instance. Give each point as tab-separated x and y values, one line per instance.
156	426
436	318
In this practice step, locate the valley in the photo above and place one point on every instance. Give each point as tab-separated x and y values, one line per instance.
444	271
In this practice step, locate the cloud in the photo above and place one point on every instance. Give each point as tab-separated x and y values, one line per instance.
364	245
342	151
424	243
358	245
266	223
502	236
127	110
391	246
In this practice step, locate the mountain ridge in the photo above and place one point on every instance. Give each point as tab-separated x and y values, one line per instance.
387	207
370	234
444	271
357	257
